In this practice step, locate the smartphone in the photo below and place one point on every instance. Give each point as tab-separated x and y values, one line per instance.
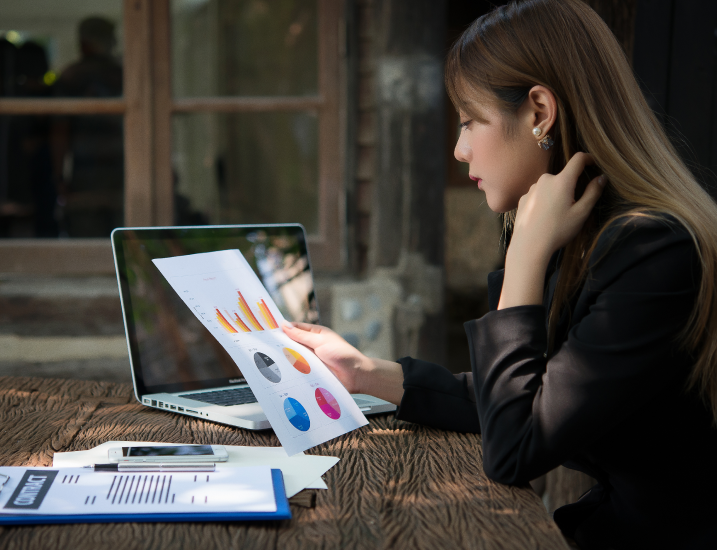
169	454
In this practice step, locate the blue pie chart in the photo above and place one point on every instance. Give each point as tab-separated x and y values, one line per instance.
296	413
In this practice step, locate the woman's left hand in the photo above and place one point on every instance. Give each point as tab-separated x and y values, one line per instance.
548	215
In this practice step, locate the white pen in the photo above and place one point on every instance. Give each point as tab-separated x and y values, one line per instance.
147	467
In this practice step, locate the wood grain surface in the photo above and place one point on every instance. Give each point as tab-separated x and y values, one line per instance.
398	485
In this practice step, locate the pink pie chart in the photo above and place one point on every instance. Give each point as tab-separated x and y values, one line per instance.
327	403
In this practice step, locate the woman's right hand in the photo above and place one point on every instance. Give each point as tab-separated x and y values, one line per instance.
358	373
344	360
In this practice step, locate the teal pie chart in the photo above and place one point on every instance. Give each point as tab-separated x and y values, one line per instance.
296	413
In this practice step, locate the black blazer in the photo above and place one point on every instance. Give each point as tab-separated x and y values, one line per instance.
610	400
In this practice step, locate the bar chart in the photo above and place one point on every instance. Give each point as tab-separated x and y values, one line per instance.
268	317
224	323
231	323
241	324
246	310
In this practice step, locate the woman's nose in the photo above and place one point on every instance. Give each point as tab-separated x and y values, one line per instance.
462	151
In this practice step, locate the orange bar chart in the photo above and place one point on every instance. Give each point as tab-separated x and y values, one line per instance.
268	317
223	321
241	324
248	313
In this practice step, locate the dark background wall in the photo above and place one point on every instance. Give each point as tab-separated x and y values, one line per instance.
675	60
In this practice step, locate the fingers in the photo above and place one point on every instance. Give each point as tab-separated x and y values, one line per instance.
305	333
576	165
303	326
592	193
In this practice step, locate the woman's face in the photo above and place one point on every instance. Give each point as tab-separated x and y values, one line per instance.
504	166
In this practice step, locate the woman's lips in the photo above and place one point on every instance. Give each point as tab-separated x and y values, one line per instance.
476	180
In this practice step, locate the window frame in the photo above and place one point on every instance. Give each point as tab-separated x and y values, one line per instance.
147	105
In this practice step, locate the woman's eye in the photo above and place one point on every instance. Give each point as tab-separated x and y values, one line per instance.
464	125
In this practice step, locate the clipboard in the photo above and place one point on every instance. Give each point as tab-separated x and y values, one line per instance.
282	512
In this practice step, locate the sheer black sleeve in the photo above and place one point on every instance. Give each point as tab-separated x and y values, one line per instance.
435	397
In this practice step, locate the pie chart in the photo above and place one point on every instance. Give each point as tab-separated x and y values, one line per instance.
297	361
296	413
327	403
267	367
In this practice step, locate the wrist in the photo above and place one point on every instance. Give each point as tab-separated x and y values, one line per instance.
524	278
363	371
380	378
533	257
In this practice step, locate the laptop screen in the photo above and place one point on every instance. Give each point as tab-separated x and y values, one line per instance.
170	349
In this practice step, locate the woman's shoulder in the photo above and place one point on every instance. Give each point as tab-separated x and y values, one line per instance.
645	223
642	232
659	242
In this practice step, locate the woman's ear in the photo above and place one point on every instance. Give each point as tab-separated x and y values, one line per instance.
539	111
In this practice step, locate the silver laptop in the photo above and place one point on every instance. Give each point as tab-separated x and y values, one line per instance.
177	365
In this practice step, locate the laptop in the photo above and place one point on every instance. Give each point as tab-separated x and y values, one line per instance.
177	365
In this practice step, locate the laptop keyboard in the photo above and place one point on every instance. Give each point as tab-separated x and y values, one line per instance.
225	398
239	396
362	402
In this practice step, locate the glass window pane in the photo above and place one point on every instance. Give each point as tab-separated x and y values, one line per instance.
46	41
244	47
61	176
246	168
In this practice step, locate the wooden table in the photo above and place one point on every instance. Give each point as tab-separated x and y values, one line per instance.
398	485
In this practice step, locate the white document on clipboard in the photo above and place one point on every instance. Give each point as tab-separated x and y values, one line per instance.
300	471
79	491
305	403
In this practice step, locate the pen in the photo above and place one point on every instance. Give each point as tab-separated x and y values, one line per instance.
146	467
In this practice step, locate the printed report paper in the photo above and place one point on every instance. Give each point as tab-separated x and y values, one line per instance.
73	491
303	400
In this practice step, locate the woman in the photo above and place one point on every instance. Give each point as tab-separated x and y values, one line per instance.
600	350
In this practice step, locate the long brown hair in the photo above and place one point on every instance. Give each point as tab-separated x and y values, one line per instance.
566	47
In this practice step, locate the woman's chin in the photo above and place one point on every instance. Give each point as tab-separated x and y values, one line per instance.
496	205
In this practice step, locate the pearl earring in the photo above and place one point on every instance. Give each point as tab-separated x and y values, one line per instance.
537	131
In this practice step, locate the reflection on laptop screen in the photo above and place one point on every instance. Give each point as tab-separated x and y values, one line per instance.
171	350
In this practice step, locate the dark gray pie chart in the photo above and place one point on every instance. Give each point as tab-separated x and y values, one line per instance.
267	367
